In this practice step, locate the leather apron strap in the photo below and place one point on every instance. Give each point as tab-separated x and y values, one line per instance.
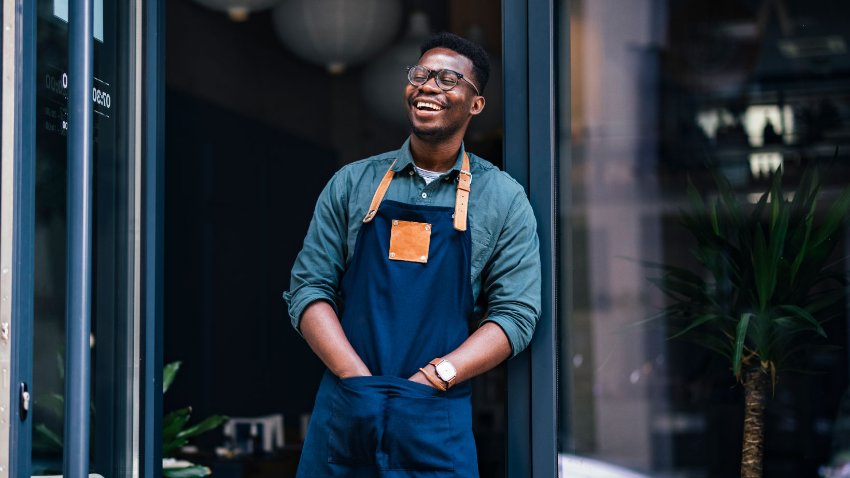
379	194
464	183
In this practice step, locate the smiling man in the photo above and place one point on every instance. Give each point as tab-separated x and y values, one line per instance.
420	270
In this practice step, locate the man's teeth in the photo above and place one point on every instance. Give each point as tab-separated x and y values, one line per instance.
428	106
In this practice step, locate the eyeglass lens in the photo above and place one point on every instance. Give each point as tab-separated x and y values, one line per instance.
446	79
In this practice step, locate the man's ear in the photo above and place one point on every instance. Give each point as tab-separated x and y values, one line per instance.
477	105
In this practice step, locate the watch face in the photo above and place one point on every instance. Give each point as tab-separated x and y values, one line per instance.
446	371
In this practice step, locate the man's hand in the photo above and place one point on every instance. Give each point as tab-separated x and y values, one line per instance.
323	332
418	377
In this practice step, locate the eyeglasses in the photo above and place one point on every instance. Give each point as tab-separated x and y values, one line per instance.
446	79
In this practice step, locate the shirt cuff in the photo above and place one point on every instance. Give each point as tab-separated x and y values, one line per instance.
298	302
518	337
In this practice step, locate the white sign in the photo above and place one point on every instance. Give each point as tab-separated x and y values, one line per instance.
60	11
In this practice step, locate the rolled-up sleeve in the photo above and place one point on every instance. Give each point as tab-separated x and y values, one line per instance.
512	276
320	264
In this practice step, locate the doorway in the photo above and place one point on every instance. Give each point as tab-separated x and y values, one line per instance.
253	133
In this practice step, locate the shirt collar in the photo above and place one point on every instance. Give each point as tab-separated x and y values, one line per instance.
405	160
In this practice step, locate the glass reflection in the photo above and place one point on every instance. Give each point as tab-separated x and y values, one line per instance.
663	91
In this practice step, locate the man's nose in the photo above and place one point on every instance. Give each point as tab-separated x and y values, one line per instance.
430	85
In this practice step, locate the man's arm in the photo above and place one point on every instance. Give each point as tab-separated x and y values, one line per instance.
321	329
315	280
484	349
512	287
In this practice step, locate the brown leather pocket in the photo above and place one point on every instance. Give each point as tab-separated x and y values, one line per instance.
409	241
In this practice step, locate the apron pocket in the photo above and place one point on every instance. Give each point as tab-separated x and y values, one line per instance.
418	435
353	428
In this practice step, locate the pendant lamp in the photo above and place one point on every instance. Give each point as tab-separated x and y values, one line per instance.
238	10
387	73
336	33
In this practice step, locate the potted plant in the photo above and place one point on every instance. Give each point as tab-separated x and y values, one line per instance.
176	430
176	433
766	287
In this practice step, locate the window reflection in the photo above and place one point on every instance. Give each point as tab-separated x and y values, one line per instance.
663	91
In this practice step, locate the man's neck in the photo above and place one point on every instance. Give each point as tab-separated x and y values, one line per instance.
438	157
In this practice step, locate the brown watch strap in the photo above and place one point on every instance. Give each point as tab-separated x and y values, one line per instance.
436	362
434	381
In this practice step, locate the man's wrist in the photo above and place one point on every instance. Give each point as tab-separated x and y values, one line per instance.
353	372
433	379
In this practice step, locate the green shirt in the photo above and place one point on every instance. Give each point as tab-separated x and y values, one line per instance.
505	265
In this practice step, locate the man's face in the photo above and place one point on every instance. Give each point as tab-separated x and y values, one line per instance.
435	114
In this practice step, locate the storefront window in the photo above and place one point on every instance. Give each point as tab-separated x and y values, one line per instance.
665	92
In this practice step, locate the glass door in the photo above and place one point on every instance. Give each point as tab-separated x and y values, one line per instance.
112	344
35	232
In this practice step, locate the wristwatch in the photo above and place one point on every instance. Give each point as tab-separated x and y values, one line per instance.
445	371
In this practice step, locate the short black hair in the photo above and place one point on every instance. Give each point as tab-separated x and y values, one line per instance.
473	51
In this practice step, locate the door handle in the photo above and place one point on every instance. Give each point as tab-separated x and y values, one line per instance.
24	408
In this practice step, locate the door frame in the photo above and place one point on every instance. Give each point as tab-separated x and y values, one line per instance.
17	230
530	141
152	215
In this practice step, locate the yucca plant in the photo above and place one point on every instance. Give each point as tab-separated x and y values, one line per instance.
766	288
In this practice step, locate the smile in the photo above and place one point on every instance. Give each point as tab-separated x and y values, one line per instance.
428	106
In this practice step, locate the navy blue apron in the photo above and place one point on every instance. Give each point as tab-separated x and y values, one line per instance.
398	315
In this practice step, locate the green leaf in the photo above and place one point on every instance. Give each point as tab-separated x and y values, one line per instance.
169	372
694	196
679	289
804	250
188	472
834	219
776	199
54	402
740	338
728	202
51	438
168	448
174	422
805	315
696	323
206	425
765	277
823	301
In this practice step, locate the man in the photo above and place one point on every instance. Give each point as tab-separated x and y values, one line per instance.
405	252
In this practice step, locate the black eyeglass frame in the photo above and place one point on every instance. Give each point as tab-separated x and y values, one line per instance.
436	75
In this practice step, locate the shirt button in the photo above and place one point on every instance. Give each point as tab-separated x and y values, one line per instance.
424	195
410	173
